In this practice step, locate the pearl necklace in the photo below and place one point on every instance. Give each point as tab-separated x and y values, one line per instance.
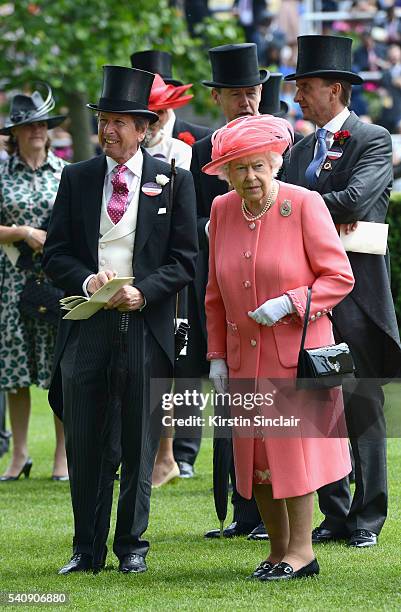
248	216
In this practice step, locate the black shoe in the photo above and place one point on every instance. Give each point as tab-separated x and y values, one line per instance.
132	564
362	538
80	562
321	535
232	531
186	469
25	470
265	566
259	533
284	571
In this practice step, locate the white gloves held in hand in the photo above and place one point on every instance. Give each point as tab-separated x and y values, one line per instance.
219	375
273	310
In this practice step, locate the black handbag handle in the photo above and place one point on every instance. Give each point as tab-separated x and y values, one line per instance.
306	320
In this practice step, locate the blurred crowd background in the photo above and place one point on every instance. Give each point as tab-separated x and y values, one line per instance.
35	44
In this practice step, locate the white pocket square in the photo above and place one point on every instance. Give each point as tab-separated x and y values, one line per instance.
162	211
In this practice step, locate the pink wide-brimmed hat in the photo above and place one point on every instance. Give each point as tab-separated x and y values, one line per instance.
163	95
248	135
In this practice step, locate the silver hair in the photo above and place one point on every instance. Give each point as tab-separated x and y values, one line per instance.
275	160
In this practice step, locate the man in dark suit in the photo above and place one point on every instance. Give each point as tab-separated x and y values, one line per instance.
350	164
160	62
114	215
236	88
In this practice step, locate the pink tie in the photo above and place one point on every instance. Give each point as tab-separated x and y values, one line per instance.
118	202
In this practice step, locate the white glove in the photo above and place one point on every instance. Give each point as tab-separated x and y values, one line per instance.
273	310
219	375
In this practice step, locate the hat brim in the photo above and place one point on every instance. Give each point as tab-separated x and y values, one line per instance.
263	77
345	75
175	82
146	114
280	113
172	103
278	145
52	122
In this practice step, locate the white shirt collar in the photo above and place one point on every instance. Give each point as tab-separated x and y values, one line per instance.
335	124
134	164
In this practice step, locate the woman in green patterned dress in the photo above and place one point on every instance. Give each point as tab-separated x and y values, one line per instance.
28	185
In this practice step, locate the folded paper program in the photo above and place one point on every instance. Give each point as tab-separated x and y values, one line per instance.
80	307
367	238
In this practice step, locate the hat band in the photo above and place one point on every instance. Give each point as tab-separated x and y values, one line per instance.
237	81
111	104
21	115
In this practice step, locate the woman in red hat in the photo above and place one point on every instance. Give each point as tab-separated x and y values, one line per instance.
269	242
157	143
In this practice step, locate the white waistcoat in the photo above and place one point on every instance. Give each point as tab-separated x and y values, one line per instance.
116	245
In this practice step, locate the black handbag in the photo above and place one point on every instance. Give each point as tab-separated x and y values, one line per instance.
40	300
325	366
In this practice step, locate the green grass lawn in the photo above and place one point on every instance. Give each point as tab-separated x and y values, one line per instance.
186	572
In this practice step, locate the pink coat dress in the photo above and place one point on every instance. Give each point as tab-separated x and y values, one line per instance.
249	263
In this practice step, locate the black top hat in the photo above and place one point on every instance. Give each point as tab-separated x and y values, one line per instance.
29	109
270	103
126	90
235	66
159	62
328	57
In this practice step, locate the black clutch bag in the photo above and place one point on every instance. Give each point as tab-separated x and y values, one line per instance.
325	366
40	300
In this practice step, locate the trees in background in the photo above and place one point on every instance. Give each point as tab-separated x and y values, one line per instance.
66	42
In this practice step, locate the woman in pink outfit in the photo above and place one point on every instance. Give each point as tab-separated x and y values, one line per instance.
269	242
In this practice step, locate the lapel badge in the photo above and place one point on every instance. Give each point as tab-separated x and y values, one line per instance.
151	189
334	153
327	166
286	208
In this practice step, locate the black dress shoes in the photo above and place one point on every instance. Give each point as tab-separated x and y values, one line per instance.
80	562
232	531
320	535
284	571
259	533
264	567
132	564
362	538
186	469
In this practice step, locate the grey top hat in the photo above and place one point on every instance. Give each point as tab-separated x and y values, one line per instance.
235	66
270	103
126	90
327	57
155	61
30	109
